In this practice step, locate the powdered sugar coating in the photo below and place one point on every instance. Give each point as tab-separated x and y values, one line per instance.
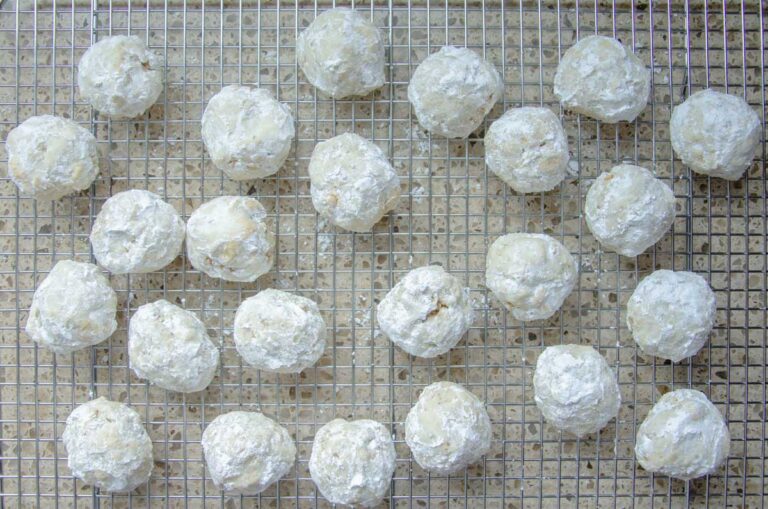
352	462
342	54
107	446
136	232
715	134
527	148
575	389
245	452
628	209
427	312
352	183
73	308
602	79
530	273
279	331
120	77
671	314
50	157
170	347
684	436
247	132
453	90
228	237
448	428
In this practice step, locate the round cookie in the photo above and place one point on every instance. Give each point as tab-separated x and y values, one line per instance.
73	308
628	209
715	134
170	347
575	389
279	331
50	157
247	132
342	54
527	148
228	238
352	183
684	436
352	462
448	428
453	90
136	232
671	314
530	273
245	452
120	77
427	312
600	78
107	446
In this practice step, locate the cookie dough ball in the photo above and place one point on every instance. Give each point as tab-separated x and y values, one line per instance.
50	157
73	308
120	77
628	209
170	347
352	462
715	134
671	314
136	232
342	54
684	436
427	312
279	331
575	389
530	273
247	132
602	79
228	238
352	183
453	90
107	446
245	452
527	148
447	429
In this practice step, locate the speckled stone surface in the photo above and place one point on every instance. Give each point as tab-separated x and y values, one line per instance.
451	209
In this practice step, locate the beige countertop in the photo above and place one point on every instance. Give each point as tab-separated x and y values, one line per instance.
451	209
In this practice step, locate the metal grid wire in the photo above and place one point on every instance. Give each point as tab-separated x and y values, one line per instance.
451	209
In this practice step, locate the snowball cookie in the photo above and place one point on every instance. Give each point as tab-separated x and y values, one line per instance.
279	331
107	446
136	232
447	429
427	312
342	54
715	134
247	132
671	314
245	452
228	238
73	308
170	347
575	389
602	79
628	209
527	148
352	183
352	462
684	436
120	77
50	157
453	90
530	273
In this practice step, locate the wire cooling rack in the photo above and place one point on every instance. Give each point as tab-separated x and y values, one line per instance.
451	209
